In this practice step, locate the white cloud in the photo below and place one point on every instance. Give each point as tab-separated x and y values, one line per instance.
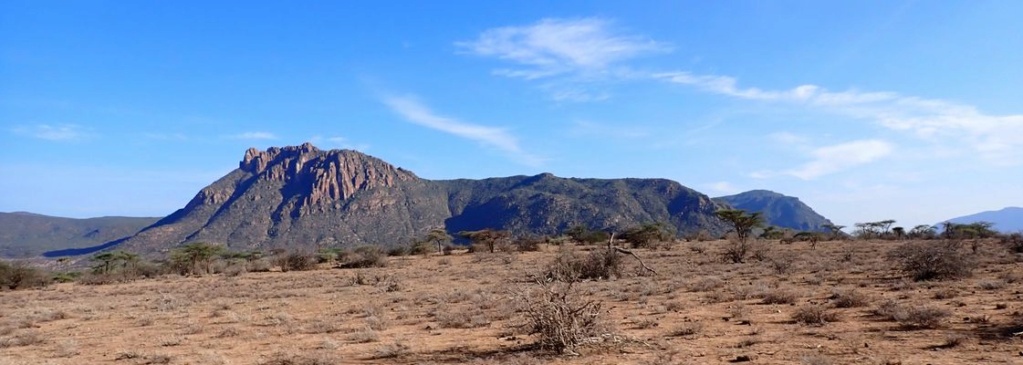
255	136
556	46
338	142
997	138
723	187
835	158
787	138
57	133
415	112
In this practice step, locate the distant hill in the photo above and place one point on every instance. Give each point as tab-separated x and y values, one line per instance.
1005	220
778	210
304	197
26	234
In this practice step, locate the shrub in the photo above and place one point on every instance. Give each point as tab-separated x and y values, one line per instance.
562	321
364	256
736	251
930	261
814	315
297	261
21	275
912	316
597	264
421	248
849	298
1013	241
780	296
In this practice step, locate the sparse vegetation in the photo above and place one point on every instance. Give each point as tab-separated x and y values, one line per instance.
560	319
587	298
925	260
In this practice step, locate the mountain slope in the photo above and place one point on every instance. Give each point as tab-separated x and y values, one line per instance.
26	234
303	197
1008	219
778	210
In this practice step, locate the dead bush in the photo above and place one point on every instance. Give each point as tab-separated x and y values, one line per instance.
1013	241
295	261
21	275
849	298
814	315
780	295
560	319
925	260
363	257
736	251
912	315
597	264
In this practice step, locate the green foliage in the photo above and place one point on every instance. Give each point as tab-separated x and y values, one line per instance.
1013	241
969	230
646	234
583	234
741	222
195	258
488	238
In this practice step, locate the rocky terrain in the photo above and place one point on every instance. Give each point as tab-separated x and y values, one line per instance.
304	197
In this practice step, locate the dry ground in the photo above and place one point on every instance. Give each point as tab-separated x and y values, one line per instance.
463	309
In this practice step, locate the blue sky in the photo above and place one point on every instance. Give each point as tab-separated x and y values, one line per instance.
866	110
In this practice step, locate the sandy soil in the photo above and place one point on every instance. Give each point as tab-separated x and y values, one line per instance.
464	308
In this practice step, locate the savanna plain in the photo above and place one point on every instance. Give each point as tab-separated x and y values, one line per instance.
832	302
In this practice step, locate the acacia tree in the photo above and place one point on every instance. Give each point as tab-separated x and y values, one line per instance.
195	257
835	229
438	236
486	237
741	222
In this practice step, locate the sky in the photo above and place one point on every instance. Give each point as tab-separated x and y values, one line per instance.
864	109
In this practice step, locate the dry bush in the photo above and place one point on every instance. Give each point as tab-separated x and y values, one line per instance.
1013	241
814	315
736	251
560	319
780	295
363	257
283	358
912	315
932	261
597	264
295	261
849	298
704	284
21	275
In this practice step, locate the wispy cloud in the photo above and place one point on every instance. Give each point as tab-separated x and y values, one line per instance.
57	133
556	46
835	158
723	187
254	136
339	142
415	112
566	53
997	138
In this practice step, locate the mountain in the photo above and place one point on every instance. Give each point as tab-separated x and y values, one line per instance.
304	197
1005	220
27	234
778	210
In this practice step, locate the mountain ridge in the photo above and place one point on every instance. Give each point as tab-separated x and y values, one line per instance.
778	209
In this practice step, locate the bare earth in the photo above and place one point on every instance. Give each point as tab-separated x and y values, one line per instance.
463	308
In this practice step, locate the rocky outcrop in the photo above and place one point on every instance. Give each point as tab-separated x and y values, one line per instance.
301	196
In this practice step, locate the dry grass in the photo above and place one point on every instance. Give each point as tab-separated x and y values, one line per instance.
844	302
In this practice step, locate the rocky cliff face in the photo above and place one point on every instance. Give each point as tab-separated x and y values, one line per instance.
301	196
